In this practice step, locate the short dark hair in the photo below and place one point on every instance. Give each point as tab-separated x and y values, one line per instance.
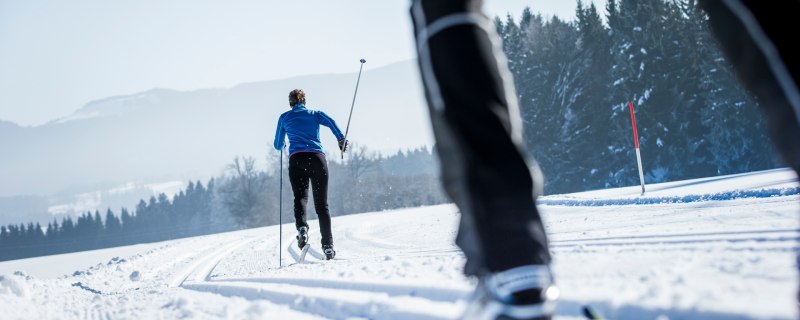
297	95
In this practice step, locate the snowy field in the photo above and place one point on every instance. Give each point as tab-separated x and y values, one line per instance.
715	248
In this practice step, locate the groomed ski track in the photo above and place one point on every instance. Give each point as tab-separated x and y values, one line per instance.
325	298
340	299
704	259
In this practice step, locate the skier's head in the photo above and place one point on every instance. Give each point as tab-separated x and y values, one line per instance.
297	96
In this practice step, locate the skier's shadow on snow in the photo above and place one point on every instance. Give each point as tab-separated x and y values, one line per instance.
568	308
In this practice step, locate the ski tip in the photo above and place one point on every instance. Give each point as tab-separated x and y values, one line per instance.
303	253
591	314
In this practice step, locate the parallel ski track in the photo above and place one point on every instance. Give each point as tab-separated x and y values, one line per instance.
203	267
786	239
335	302
373	300
386	300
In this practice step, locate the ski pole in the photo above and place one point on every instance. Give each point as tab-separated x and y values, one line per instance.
353	105
280	215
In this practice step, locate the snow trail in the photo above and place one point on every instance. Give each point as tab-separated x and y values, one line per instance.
709	258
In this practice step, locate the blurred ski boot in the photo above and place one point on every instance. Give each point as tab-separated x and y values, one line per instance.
302	237
328	250
525	292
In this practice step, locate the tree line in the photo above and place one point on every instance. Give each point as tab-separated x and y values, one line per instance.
188	213
243	196
574	81
364	182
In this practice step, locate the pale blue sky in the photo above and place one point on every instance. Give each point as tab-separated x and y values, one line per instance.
56	56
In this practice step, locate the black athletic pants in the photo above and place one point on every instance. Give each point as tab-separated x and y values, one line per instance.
305	167
477	127
758	39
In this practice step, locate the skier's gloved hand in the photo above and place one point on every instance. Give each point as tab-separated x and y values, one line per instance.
343	144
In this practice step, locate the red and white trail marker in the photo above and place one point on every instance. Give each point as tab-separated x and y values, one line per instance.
636	144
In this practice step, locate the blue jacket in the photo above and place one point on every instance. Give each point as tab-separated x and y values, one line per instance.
302	127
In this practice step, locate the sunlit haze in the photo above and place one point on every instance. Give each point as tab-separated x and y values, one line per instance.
56	56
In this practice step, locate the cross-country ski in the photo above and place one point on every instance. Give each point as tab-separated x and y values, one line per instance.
303	253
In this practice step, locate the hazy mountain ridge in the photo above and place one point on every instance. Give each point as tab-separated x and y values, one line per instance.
8	129
117	105
8	124
163	135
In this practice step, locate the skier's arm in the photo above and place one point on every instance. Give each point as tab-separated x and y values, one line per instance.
280	134
325	120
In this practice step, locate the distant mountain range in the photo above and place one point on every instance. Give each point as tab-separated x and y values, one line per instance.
166	135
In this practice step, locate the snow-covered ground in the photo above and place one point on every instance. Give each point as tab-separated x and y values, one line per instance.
715	248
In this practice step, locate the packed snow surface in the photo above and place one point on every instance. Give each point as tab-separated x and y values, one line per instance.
714	248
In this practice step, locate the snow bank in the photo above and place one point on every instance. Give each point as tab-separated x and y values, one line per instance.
13	285
721	196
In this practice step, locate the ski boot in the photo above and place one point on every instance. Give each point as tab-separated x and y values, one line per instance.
302	237
525	292
328	250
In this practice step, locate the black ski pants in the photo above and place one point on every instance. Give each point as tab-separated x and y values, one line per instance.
477	127
305	168
758	39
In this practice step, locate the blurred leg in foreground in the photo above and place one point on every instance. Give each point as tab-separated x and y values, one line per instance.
758	39
478	130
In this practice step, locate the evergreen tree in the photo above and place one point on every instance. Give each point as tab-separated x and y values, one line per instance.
30	232
734	128
164	225
15	234
113	229
97	223
67	228
6	245
38	241
53	237
575	80
38	233
588	117
126	224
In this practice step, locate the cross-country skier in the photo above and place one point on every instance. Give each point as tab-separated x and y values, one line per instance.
307	164
477	127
